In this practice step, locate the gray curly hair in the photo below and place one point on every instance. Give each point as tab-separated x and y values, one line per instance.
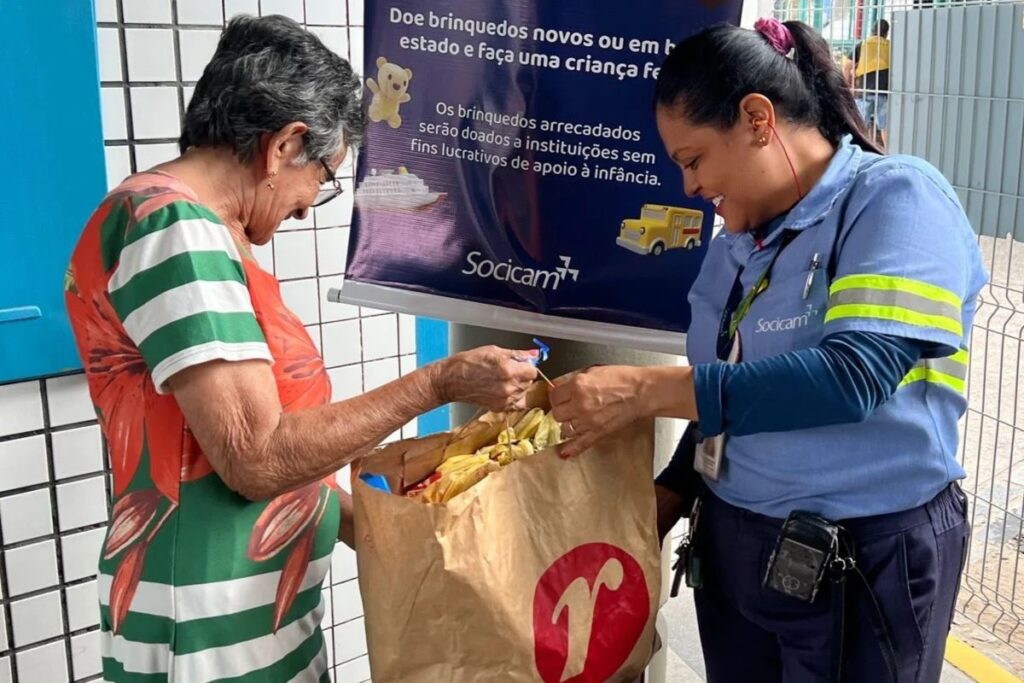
266	73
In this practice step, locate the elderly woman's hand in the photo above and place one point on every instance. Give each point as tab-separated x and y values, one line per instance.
604	399
490	376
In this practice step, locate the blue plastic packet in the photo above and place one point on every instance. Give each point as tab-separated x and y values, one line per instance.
376	481
544	349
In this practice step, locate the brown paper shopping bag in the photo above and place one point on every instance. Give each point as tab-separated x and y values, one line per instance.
548	570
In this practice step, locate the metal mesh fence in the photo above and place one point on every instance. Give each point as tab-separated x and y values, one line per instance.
955	96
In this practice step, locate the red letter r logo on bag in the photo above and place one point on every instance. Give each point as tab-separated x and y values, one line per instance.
589	610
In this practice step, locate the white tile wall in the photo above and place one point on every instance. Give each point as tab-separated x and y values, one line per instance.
346	382
342	343
380	338
196	49
119	165
295	254
331	250
109	54
407	364
264	254
298	223
81	553
77	451
23	463
343	564
150	54
333	37
325	12
380	372
148	12
23	409
85	655
344	479
356	670
81	503
149	155
355	40
115	125
155	112
25	516
106	10
406	334
349	640
53	495
31	568
36	619
83	606
69	401
44	663
355	13
302	297
233	7
200	12
289	8
346	602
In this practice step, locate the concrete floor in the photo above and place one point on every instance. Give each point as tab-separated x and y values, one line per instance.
685	662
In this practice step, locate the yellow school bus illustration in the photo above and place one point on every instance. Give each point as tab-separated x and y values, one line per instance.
661	227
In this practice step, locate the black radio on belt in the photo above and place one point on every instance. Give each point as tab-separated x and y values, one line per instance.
805	549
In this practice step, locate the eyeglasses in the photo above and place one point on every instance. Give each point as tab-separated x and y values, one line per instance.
326	194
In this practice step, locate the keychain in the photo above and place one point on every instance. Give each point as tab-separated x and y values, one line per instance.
688	560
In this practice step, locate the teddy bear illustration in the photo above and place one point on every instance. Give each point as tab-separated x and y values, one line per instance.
390	91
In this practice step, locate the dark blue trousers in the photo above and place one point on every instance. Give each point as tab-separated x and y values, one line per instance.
753	634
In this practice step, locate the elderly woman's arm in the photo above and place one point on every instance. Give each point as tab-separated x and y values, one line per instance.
259	451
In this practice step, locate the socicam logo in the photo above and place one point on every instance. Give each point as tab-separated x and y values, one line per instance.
521	275
781	324
590	608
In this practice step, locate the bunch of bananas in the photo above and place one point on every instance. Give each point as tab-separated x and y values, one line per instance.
525	435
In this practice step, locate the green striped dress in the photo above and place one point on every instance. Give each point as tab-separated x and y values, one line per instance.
196	583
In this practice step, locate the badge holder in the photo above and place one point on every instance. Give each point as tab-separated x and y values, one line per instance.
711	451
689	557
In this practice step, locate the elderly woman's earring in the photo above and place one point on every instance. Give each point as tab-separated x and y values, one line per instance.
763	141
270	183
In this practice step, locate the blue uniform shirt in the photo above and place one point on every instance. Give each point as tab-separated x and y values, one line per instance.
906	264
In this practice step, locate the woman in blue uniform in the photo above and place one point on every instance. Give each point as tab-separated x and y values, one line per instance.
828	351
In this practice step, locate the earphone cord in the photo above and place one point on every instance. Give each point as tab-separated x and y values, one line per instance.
789	161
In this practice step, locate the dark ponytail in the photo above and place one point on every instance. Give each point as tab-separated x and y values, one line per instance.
708	74
838	114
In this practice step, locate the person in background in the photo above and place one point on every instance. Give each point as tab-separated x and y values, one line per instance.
846	66
830	322
214	400
871	60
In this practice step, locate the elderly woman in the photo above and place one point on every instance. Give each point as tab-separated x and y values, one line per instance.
211	394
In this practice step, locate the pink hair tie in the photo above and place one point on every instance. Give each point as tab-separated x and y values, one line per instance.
777	35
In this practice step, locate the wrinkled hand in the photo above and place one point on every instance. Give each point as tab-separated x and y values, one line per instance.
597	402
490	377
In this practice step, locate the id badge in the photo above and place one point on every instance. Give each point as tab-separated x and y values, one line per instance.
711	451
709	458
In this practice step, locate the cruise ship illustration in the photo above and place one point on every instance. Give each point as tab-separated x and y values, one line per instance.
396	190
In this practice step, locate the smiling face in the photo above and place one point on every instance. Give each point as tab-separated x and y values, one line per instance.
287	189
731	168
